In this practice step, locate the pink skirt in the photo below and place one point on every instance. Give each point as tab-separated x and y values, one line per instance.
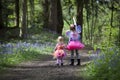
72	45
59	53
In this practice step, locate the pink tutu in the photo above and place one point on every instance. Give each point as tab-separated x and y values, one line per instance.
75	45
59	53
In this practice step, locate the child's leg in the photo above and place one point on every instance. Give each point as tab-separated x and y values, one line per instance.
77	54
72	54
72	57
58	61
61	61
78	57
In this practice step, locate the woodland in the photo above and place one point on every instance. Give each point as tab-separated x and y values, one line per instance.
30	27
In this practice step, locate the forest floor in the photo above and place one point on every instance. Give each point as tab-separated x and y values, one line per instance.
45	69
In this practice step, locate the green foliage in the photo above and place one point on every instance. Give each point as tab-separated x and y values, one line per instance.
100	23
69	10
7	8
106	66
39	44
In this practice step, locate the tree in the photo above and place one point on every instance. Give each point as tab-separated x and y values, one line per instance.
24	19
45	4
32	12
17	12
60	17
55	16
1	18
79	4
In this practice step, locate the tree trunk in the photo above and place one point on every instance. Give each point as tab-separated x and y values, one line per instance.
17	12
111	22
53	15
24	18
92	24
60	17
31	12
87	18
1	19
79	18
45	4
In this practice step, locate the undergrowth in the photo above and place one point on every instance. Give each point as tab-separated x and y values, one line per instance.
38	44
106	66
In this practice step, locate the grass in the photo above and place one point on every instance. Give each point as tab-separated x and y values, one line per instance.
39	42
16	51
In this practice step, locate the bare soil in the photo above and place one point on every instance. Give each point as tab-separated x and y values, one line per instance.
45	69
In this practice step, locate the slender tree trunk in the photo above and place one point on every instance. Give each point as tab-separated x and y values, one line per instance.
24	18
119	29
45	4
92	23
60	17
31	12
118	38
111	23
1	19
17	12
87	18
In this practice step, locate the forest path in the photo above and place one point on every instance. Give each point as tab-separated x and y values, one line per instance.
45	69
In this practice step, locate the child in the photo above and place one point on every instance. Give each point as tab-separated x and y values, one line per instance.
74	44
59	53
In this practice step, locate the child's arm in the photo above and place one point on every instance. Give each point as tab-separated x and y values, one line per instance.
55	47
65	46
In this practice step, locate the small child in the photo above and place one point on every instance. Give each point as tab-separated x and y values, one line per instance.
59	53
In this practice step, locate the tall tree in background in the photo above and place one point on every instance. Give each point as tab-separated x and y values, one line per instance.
79	4
17	12
87	8
1	19
55	16
32	12
24	19
45	4
59	17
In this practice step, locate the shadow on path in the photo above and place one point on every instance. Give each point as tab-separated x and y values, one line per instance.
45	69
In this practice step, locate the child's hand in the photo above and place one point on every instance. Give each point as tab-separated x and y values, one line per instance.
65	46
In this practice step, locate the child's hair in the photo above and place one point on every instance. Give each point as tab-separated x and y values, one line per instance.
72	27
60	39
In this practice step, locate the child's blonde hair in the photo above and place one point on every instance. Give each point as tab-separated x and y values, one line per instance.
60	39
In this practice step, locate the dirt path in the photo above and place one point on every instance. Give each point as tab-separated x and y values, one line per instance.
45	69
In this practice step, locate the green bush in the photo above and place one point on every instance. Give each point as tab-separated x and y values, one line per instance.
106	66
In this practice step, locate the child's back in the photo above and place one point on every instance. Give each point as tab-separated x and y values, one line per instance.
59	53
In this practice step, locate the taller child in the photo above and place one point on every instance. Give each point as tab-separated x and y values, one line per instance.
74	44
